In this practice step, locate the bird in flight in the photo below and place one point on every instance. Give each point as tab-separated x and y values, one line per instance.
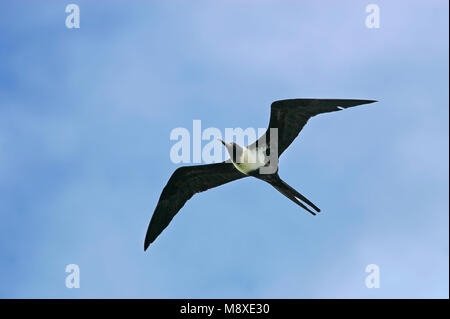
259	160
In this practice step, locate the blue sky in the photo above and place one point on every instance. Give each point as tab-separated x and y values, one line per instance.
85	120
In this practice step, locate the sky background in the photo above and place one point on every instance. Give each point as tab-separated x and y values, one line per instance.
85	120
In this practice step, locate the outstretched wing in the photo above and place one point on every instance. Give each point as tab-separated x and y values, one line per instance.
289	117
182	185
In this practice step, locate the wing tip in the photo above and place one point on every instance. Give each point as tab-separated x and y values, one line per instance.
352	103
362	102
147	242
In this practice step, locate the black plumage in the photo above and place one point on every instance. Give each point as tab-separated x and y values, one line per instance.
182	185
288	117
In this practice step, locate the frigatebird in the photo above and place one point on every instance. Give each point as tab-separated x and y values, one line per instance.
287	118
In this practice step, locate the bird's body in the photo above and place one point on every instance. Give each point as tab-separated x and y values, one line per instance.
250	160
259	160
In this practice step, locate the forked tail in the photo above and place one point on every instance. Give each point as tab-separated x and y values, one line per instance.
291	193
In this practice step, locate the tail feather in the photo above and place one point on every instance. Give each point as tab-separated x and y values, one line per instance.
291	193
300	196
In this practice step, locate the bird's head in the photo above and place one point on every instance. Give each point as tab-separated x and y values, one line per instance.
229	146
233	149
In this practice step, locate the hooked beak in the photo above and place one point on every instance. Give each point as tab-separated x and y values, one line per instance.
225	144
